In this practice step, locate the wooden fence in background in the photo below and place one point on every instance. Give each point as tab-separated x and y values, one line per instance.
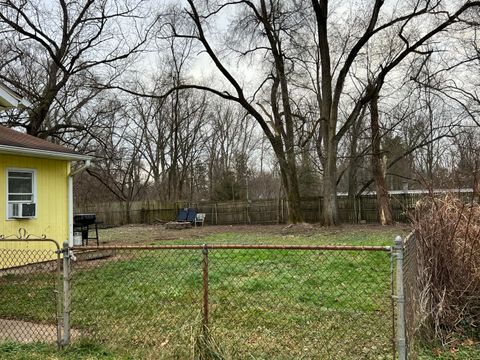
271	211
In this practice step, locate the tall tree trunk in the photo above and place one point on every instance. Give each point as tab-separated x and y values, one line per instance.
378	166
128	214
328	118
329	209
353	163
37	118
287	152
290	185
352	171
293	195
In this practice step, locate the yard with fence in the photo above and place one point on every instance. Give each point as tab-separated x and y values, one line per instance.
351	210
307	300
253	212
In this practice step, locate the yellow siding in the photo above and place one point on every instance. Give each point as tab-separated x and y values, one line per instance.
52	202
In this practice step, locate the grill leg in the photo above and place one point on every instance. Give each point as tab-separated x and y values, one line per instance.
96	234
85	235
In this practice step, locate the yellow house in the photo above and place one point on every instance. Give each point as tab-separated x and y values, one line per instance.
36	191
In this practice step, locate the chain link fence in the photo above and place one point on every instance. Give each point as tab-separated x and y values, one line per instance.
210	301
30	274
300	303
413	293
144	302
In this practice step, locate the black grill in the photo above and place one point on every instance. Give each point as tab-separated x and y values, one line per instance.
84	219
82	223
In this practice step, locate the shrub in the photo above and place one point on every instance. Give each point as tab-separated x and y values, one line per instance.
447	232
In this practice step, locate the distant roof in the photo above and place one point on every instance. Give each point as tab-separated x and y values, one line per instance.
14	142
11	99
416	191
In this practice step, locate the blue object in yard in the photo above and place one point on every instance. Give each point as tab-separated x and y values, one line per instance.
192	214
182	215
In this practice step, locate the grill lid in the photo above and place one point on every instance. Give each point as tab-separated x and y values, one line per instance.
84	219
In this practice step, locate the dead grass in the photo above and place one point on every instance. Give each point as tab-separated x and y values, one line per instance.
448	253
307	234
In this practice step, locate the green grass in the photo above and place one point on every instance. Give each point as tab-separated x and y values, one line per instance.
350	236
41	351
462	352
20	292
263	304
91	351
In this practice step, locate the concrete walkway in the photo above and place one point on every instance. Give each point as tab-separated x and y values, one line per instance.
29	332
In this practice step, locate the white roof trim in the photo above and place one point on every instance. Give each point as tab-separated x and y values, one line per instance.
17	150
9	99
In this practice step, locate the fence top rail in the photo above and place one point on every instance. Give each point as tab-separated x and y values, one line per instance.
28	240
410	237
236	246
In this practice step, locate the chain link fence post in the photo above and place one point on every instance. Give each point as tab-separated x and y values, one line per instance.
205	286
58	294
400	297
66	293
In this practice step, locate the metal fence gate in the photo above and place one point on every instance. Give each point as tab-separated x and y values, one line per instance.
30	289
207	301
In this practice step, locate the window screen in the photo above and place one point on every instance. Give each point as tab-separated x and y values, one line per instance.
20	186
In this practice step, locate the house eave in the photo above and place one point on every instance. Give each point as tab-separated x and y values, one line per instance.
9	99
46	154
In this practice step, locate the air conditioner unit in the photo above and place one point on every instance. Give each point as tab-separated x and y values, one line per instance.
22	210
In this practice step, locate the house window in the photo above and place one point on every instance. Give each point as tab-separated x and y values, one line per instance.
20	190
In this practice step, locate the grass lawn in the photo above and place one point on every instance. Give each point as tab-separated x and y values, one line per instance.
263	304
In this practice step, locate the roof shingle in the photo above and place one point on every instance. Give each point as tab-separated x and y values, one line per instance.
9	137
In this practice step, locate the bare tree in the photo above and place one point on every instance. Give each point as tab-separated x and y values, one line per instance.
404	39
288	41
277	124
407	40
60	47
119	166
229	148
172	140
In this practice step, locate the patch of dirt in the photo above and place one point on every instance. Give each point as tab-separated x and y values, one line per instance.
146	234
296	229
29	332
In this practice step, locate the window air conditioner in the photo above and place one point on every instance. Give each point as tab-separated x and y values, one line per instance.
22	210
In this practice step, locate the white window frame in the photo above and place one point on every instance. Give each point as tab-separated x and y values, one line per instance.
34	189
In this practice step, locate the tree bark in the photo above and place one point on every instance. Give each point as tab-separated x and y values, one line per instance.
378	166
328	118
330	214
290	185
353	164
39	113
354	161
293	195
